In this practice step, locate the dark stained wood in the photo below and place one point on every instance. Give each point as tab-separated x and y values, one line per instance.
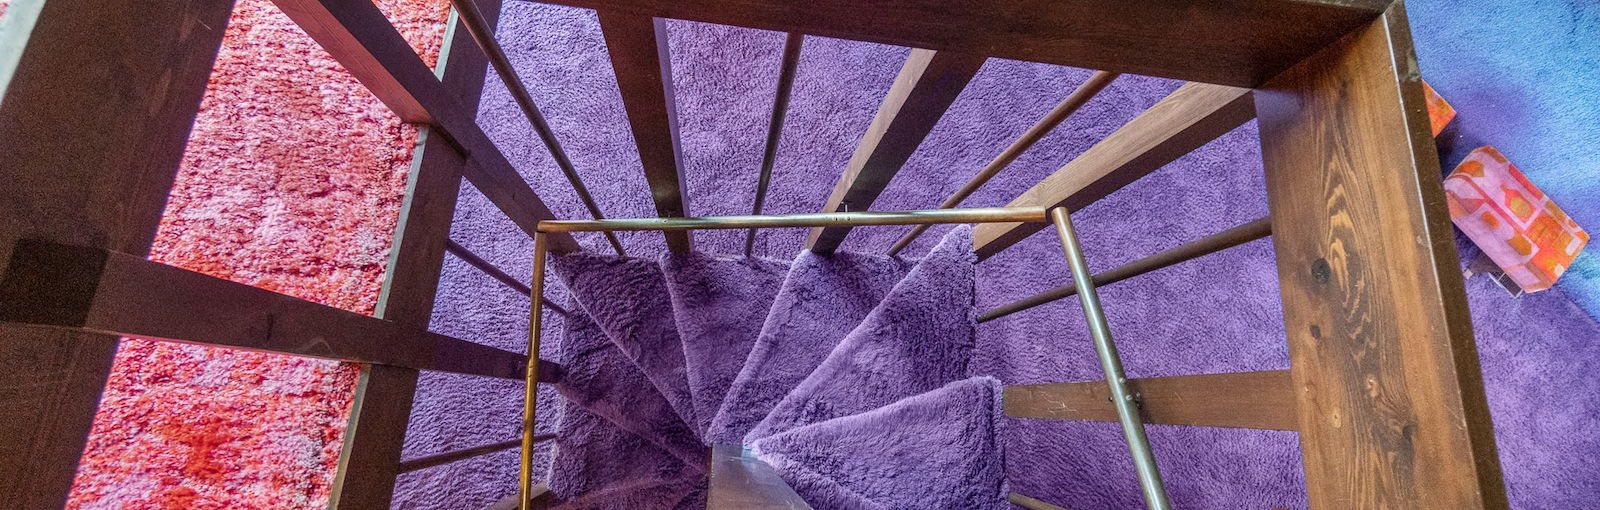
458	455
1231	42
1392	409
358	35
369	458
1193	115
112	293
638	46
1030	503
381	408
926	86
740	481
96	109
1252	400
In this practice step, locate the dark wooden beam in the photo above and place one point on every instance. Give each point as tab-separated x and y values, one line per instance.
94	290
928	83
1193	115
638	46
1392	408
381	407
98	98
740	481
1251	400
459	455
1231	42
358	35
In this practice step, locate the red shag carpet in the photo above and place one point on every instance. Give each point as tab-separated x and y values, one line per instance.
292	181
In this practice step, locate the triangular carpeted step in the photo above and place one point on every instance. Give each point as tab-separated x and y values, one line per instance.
918	339
719	304
602	380
939	449
628	298
600	466
823	297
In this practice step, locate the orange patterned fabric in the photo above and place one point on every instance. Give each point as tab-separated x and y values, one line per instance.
1515	224
1439	112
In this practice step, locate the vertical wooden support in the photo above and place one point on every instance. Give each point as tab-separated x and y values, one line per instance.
96	111
1391	404
638	46
369	461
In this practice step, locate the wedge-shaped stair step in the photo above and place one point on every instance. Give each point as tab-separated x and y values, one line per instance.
599	466
628	298
822	299
602	380
917	340
935	450
719	304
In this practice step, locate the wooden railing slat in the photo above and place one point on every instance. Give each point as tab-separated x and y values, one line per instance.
1191	116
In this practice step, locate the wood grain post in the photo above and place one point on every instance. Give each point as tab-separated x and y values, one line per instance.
1391	404
370	459
96	111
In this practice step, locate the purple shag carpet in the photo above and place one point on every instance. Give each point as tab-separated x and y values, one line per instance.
720	304
600	379
1540	353
628	298
822	299
917	339
934	450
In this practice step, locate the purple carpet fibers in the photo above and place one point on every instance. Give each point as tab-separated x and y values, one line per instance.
719	304
822	299
918	339
603	381
934	450
628	298
602	467
1220	313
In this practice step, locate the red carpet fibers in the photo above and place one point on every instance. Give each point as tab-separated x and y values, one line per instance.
292	181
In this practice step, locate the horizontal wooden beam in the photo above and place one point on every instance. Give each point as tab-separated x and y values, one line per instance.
101	291
1251	400
1190	117
361	38
1232	42
643	66
927	85
459	455
740	481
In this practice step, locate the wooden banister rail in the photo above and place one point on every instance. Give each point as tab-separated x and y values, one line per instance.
482	32
1252	400
459	455
927	85
1188	251
780	107
1079	97
1031	503
95	290
643	66
1191	116
489	269
358	35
